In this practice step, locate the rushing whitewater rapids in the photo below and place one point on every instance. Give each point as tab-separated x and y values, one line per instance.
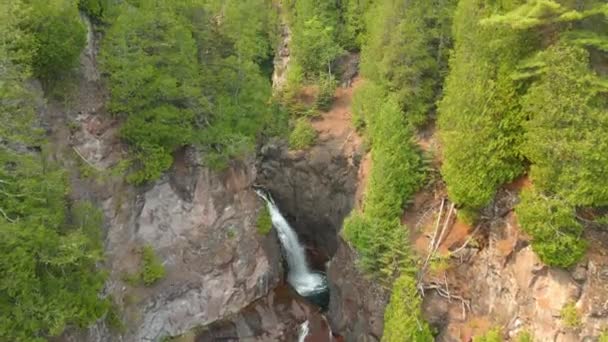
305	281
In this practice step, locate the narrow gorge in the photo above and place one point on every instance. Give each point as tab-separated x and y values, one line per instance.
303	170
225	281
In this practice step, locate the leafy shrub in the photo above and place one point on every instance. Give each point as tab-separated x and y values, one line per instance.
113	319
565	138
367	99
150	161
406	52
94	8
169	96
494	335
152	269
59	36
264	222
402	319
603	336
556	234
327	88
315	44
524	336
294	80
303	135
571	318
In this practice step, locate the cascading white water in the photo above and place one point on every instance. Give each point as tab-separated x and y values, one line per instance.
300	276
304	330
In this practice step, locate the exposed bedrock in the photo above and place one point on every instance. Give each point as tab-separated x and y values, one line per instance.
314	190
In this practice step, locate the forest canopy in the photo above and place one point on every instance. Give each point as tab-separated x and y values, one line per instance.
189	72
525	95
49	245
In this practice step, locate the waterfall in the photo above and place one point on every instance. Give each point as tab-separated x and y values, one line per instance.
305	281
304	330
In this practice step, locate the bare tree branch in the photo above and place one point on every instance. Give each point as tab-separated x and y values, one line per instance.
6	216
466	242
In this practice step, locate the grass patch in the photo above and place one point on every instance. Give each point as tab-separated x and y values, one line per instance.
264	222
494	335
571	318
151	269
524	336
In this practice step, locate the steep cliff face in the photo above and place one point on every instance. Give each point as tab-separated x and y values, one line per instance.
489	277
356	307
200	223
314	189
216	262
277	317
507	286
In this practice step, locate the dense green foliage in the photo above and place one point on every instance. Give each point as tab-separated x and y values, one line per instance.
564	134
566	129
327	88
402	317
49	246
525	92
556	233
480	120
405	51
404	55
395	175
152	269
58	37
178	76
377	232
522	90
303	135
95	9
49	252
315	43
494	335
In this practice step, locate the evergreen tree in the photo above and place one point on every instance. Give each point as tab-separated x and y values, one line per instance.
406	52
59	37
480	116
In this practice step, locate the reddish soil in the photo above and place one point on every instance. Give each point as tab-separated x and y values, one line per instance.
335	126
519	184
307	95
458	233
475	326
336	131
